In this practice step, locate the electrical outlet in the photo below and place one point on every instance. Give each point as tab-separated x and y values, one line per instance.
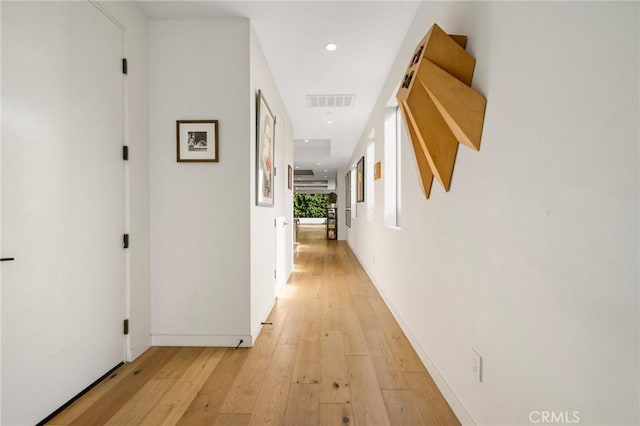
477	365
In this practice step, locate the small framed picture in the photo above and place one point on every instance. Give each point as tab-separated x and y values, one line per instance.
347	181
360	181
197	141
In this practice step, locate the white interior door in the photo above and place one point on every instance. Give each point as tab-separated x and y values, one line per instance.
62	204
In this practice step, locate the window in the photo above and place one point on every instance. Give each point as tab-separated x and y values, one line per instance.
392	175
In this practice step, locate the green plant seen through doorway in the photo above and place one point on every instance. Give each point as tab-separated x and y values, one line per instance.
310	205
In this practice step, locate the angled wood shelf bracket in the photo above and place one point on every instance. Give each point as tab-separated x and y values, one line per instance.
439	106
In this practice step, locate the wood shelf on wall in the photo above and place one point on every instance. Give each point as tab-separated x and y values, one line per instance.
440	108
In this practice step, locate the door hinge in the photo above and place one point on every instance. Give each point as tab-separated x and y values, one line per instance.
275	223
125	241
125	152
275	273
275	171
125	67
126	327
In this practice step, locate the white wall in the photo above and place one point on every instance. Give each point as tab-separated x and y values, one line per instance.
137	173
264	286
0	211
200	216
213	250
532	257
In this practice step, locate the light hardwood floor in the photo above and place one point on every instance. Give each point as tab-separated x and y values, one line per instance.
333	356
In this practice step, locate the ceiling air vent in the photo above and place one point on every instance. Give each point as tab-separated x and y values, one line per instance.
330	101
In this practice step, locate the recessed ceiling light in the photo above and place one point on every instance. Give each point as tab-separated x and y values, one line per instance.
317	164
331	47
329	122
306	140
297	167
325	170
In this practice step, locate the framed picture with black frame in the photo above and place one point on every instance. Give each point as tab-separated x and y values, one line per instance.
197	141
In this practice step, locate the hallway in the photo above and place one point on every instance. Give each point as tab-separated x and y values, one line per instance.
332	355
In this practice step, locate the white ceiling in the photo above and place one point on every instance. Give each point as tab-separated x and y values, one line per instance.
293	35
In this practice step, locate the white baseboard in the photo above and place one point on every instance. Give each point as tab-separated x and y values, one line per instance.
200	340
258	328
281	284
137	350
441	383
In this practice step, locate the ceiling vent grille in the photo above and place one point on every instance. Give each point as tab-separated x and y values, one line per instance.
330	101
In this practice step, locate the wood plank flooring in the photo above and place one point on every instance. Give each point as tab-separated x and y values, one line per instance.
333	356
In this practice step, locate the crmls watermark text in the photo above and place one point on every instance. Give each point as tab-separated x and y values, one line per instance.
554	417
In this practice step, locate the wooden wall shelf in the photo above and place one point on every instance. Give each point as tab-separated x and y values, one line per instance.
440	107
